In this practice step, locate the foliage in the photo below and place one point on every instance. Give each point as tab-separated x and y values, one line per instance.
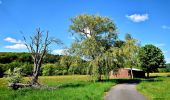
131	50
60	70
95	36
66	62
168	67
48	70
151	58
165	69
14	64
14	76
3	69
27	69
1	72
50	58
8	57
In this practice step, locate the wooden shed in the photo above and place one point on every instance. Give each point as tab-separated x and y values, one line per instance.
125	73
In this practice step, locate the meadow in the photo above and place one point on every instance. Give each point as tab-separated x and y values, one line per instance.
80	87
73	87
157	87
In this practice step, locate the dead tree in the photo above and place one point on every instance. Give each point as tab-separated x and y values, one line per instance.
38	46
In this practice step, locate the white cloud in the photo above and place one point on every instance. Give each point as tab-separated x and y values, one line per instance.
165	27
12	40
138	17
16	46
59	51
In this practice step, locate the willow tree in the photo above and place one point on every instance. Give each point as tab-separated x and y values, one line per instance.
38	46
95	35
131	50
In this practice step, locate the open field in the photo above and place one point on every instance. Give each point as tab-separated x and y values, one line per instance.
70	88
80	87
156	88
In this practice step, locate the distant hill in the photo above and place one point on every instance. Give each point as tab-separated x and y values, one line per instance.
8	57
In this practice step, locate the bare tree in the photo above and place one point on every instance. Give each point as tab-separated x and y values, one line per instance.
38	46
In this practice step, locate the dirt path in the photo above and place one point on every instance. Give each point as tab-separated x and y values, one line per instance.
126	91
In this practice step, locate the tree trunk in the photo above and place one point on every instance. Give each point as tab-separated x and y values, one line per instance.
34	80
147	74
35	75
131	73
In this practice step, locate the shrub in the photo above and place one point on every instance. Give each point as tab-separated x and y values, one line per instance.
14	64
27	69
48	70
3	68
1	72
14	76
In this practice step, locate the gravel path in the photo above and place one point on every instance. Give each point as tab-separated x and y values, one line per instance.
126	91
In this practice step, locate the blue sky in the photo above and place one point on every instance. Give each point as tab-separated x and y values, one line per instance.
147	20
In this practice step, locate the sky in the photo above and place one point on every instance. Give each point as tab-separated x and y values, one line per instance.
147	20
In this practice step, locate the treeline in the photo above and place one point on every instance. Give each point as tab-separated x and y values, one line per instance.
52	64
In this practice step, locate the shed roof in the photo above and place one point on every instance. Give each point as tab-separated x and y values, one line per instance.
135	69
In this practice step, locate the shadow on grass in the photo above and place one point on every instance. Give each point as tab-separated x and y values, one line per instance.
72	85
120	81
135	80
117	81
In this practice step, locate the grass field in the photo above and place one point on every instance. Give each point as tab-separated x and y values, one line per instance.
79	87
156	88
70	88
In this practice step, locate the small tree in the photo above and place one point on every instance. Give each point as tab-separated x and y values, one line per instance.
131	50
151	58
39	47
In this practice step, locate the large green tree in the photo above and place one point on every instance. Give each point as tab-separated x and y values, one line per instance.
95	35
151	58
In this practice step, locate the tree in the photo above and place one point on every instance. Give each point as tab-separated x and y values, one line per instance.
39	47
131	50
66	62
95	35
151	58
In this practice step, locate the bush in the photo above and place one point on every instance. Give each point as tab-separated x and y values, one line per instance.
27	69
14	76
48	70
1	72
14	64
3	69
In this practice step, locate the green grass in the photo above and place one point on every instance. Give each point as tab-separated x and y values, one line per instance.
71	88
157	87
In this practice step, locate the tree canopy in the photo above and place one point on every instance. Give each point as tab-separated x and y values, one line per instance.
151	58
95	36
